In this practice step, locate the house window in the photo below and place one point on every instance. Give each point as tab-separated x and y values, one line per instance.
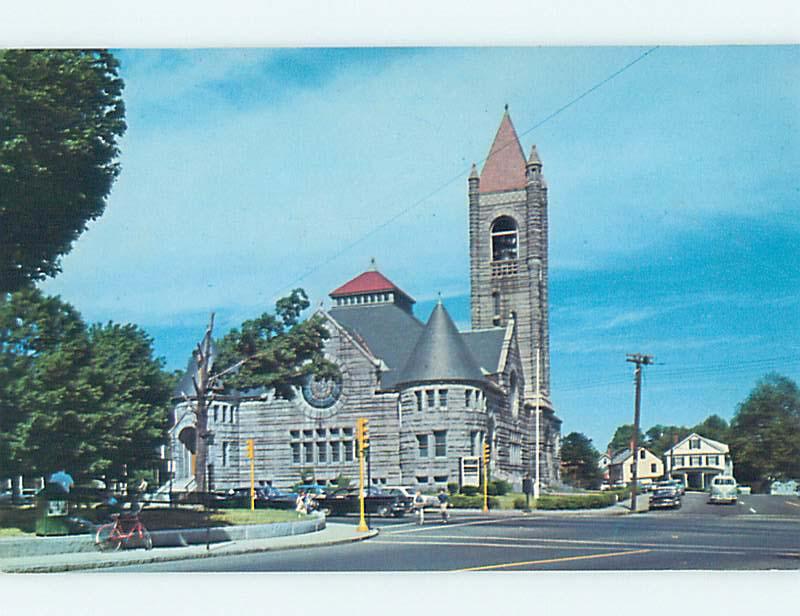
695	460
515	454
652	468
641	454
712	460
443	398
348	451
694	443
336	447
216	410
422	445
322	451
467	398
440	440
431	398
224	413
295	434
225	448
678	461
308	434
295	453
422	480
441	478
504	239
308	448
418	395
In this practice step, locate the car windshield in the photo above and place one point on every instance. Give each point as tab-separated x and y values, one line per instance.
725	482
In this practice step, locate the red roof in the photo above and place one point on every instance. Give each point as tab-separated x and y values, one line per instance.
368	282
505	166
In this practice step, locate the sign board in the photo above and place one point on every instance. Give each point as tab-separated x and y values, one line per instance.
56	508
470	471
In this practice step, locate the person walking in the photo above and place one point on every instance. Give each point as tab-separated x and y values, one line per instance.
419	507
300	503
443	504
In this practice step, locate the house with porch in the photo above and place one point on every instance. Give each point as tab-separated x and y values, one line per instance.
696	460
649	467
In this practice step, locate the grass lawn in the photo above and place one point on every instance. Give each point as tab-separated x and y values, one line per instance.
21	522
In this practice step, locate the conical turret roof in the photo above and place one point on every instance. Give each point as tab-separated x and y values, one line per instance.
505	166
440	354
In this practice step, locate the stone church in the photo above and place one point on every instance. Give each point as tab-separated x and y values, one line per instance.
431	394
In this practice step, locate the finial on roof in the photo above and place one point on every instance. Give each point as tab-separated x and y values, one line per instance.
473	175
439	300
534	159
506	106
372	266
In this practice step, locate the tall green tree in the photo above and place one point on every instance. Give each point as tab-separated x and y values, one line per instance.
623	436
581	460
86	400
274	351
61	115
659	438
713	427
765	432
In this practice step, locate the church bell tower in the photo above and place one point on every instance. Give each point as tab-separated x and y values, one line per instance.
508	251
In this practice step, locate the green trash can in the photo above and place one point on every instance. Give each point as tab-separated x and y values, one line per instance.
52	508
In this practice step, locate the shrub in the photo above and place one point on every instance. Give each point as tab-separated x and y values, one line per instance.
576	501
452	487
461	501
470	490
499	487
520	502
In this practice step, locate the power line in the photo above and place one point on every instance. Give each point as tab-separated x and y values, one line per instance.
315	268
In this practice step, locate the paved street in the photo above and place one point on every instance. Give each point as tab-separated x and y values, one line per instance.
760	532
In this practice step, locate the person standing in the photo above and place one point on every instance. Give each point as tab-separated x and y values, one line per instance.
300	503
419	507
443	504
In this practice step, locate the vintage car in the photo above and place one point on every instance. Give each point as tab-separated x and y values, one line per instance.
665	495
723	490
376	501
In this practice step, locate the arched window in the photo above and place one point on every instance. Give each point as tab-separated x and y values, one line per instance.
504	239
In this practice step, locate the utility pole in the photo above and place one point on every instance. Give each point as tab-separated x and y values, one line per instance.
640	360
537	469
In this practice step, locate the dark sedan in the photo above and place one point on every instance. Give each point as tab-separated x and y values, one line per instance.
665	496
376	501
266	497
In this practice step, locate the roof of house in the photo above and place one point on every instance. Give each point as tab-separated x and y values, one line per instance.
504	168
388	331
441	354
371	281
486	345
624	454
721	447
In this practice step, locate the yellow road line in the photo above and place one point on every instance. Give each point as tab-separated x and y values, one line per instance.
553	560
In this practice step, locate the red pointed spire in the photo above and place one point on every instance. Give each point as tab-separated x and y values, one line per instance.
505	166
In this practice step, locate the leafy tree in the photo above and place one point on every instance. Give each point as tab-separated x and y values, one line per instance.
659	438
622	438
86	400
713	427
581	458
274	351
61	114
765	431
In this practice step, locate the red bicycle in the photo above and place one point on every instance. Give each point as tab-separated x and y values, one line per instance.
123	529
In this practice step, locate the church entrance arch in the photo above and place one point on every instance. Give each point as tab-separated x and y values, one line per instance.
186	459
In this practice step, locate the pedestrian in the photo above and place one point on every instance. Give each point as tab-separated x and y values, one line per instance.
63	480
419	507
310	502
300	503
443	504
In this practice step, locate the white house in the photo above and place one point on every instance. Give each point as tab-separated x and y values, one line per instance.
602	464
649	467
697	460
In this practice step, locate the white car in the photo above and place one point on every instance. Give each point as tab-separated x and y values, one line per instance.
428	500
723	490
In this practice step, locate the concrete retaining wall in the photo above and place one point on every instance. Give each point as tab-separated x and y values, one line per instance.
42	546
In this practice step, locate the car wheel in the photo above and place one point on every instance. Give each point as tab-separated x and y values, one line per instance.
384	511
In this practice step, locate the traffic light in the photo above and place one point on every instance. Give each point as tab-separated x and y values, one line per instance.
251	452
487	452
362	432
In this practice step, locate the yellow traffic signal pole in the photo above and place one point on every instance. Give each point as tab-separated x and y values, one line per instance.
251	453
362	524
485	476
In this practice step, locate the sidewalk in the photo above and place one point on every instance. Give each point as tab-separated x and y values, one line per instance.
331	535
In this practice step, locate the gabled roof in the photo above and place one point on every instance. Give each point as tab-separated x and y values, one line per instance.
371	281
486	346
388	331
624	454
504	168
441	354
721	447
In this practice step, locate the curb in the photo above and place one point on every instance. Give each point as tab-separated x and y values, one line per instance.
220	550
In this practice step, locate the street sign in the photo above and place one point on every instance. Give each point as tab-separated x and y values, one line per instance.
471	471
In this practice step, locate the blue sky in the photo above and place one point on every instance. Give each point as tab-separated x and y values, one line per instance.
673	202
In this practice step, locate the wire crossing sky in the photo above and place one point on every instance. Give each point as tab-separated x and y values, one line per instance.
673	199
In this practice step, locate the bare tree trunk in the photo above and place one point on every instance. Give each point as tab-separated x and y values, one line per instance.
202	384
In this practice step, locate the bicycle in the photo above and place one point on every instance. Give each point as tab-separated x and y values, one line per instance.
110	537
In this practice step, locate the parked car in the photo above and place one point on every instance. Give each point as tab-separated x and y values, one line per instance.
665	495
723	490
266	497
403	496
376	501
313	488
428	500
676	483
